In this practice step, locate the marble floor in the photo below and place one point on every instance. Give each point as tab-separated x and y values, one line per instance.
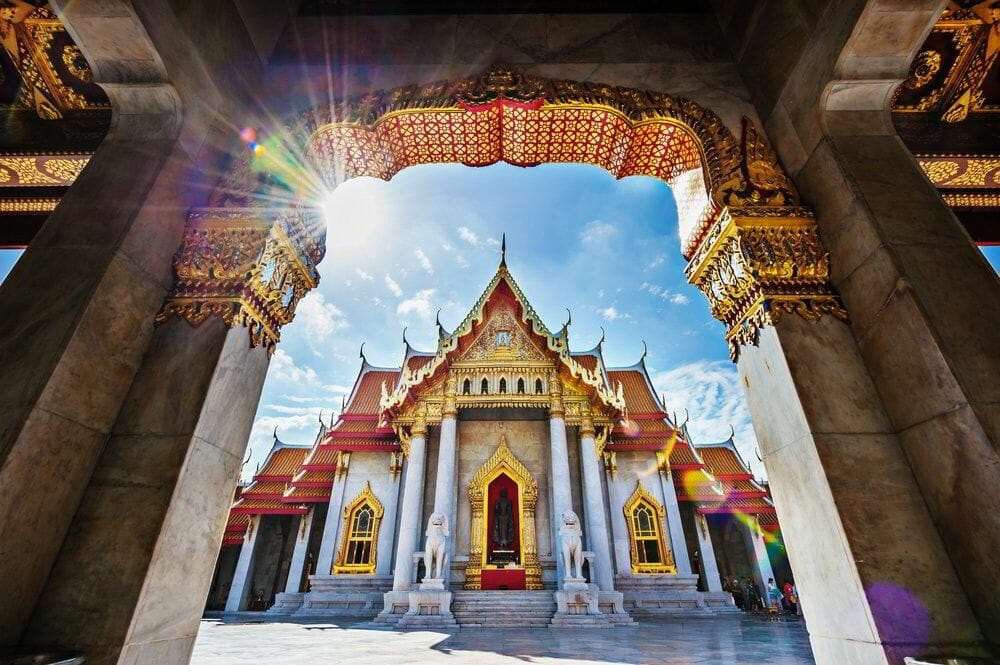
663	642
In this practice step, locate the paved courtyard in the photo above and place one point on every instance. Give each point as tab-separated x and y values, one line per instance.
675	642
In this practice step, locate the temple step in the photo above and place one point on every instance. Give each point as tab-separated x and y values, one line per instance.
503	609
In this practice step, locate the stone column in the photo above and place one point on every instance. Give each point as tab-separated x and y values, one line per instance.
411	524
444	484
710	567
757	551
298	562
334	516
239	591
619	528
387	530
913	427
675	527
562	498
593	495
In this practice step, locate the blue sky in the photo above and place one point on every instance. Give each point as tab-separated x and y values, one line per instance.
398	251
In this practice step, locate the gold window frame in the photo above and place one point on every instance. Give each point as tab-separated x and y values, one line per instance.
365	498
642	497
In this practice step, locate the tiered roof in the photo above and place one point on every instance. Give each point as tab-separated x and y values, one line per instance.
713	476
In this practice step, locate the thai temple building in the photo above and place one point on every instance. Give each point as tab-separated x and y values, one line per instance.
489	453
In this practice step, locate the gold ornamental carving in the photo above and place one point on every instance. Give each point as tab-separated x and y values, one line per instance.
235	265
503	461
650	529
755	269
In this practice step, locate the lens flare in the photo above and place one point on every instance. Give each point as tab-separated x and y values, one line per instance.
901	617
248	134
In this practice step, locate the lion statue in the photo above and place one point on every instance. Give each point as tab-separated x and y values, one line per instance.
571	544
436	546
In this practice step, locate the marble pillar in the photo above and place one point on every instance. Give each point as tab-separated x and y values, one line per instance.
710	567
298	562
239	590
445	481
593	500
619	527
562	498
334	518
411	524
387	529
675	528
757	552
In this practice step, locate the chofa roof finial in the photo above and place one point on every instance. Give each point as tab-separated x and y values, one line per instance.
645	350
405	342
503	249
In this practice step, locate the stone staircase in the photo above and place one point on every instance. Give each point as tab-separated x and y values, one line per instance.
503	609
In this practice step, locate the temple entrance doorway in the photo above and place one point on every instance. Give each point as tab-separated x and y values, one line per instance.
503	569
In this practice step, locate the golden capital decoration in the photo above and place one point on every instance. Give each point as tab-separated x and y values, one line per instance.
759	263
245	267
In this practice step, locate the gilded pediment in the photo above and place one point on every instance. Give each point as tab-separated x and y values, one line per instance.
503	339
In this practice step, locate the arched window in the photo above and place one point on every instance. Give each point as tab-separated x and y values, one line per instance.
484	387
503	385
360	534
467	387
644	515
520	385
538	386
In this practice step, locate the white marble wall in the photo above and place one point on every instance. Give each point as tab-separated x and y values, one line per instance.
372	468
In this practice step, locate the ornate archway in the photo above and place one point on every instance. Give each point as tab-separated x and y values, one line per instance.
753	250
503	462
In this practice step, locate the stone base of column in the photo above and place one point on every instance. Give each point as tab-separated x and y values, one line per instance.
578	606
430	607
344	596
286	603
672	595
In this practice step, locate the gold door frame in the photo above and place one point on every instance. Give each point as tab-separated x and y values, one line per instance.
503	461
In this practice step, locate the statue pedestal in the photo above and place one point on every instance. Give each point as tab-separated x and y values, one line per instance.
430	607
577	606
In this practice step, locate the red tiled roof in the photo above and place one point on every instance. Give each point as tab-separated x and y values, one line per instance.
722	461
369	391
321	457
587	360
414	363
284	462
736	505
682	456
637	395
267	507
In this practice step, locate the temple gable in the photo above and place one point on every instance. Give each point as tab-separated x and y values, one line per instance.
503	338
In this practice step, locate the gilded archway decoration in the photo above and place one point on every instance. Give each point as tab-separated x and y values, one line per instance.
507	115
359	536
503	461
644	516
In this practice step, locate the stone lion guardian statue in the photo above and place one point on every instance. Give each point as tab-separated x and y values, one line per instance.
571	545
436	546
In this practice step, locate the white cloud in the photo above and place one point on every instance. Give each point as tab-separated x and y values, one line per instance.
611	314
419	304
319	319
657	262
673	297
597	232
466	234
713	396
424	261
336	388
363	275
283	368
393	286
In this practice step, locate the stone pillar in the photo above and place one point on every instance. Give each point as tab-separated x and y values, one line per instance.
619	528
411	524
297	565
562	498
710	567
445	481
913	427
387	530
334	516
757	551
675	527
239	591
593	496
